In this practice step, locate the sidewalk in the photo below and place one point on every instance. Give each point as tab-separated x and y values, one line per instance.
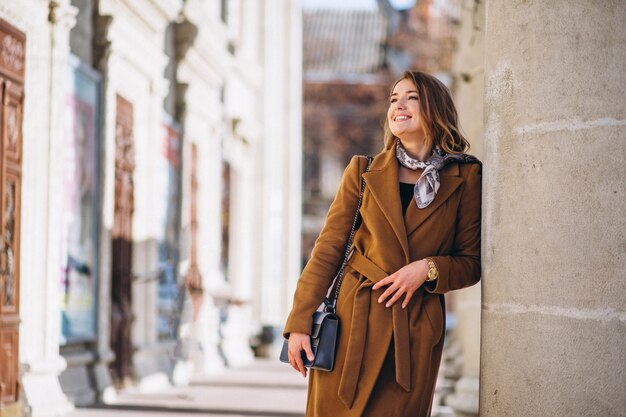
267	388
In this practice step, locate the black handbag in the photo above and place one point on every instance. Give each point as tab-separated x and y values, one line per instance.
325	329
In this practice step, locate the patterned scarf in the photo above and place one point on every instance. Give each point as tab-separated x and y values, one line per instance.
428	183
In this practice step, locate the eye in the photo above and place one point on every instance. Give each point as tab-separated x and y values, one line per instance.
414	98
393	100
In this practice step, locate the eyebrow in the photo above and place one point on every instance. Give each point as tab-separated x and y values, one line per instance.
410	91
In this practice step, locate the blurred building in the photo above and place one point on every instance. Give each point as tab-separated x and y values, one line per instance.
151	188
345	99
351	57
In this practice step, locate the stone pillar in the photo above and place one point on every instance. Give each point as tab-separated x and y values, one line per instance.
199	109
47	29
554	254
282	168
468	70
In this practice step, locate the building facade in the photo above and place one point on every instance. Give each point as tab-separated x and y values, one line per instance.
157	187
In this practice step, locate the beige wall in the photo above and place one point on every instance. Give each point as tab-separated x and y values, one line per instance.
554	253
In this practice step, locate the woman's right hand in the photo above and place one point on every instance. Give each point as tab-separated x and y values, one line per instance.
297	343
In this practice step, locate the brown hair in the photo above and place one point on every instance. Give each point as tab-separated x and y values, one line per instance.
437	114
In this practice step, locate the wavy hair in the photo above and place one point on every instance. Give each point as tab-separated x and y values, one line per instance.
438	115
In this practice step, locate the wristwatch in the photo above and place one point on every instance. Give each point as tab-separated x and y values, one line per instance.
433	272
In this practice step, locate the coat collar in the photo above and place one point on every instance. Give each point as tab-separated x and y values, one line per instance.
382	181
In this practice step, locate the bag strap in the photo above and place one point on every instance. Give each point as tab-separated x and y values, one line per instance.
331	301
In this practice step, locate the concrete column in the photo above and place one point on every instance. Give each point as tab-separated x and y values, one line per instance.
468	71
204	63
554	255
282	162
47	36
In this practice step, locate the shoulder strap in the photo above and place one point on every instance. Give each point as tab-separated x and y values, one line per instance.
331	300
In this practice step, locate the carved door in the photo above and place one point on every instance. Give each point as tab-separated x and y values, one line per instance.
12	44
121	302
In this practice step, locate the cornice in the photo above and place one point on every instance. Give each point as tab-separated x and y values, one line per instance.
23	14
139	51
207	58
155	15
196	69
170	8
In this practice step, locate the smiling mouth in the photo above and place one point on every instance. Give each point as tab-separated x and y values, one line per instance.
401	118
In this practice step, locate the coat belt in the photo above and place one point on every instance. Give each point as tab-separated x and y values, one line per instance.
358	332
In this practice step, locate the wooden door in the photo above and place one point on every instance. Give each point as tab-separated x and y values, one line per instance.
193	279
12	44
121	284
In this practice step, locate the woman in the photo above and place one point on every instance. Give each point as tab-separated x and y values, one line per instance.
419	238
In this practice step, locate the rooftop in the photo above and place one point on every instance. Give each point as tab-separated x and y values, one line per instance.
343	42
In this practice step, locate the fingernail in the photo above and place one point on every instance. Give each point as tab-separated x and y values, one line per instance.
387	305
380	300
310	358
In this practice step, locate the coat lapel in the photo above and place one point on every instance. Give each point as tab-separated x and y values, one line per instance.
382	182
450	181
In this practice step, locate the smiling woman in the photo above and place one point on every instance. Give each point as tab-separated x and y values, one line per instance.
419	237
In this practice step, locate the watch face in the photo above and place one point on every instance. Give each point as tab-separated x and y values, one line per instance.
432	274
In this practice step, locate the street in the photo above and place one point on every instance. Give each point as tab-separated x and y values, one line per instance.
266	388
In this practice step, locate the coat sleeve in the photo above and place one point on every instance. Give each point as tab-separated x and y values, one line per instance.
328	252
462	268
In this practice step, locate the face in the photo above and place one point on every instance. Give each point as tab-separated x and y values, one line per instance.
403	115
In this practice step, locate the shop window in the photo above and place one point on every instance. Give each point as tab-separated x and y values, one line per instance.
78	250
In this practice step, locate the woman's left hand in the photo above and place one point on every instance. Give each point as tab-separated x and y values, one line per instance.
405	280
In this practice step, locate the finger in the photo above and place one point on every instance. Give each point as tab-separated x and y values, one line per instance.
306	344
395	298
393	288
407	298
383	282
300	363
292	361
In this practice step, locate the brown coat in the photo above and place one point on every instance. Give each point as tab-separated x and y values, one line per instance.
388	358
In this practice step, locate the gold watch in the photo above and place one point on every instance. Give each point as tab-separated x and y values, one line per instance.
433	272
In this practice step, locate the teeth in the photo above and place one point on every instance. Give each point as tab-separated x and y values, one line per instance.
402	118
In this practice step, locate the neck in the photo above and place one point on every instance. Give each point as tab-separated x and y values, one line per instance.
419	150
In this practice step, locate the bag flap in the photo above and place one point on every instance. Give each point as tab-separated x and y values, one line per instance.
315	331
318	321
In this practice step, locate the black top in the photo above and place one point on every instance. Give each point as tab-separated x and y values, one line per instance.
406	195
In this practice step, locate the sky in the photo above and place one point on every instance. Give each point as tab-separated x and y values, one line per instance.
352	4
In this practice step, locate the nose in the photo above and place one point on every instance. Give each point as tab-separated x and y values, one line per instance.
399	105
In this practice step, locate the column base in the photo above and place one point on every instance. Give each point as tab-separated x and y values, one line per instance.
464	400
42	390
77	379
153	365
235	345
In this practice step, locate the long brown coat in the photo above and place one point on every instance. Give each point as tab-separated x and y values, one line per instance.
388	358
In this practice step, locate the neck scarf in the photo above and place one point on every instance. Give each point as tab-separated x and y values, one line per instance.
428	183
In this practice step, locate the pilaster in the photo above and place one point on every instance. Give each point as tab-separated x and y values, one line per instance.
47	26
553	308
200	79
